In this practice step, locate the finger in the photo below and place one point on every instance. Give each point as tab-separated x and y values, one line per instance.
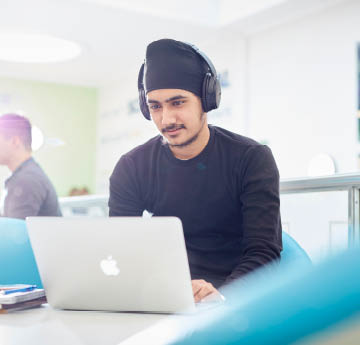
205	290
196	285
201	294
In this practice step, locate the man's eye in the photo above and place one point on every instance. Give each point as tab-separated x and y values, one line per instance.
177	103
154	106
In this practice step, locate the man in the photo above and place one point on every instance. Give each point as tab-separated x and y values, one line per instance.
28	190
224	187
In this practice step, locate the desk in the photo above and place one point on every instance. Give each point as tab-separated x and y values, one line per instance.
48	326
44	326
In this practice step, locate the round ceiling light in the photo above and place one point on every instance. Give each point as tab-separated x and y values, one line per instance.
36	48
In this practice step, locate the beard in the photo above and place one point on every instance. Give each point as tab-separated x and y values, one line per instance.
190	140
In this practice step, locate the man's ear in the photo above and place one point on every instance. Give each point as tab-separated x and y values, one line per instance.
17	142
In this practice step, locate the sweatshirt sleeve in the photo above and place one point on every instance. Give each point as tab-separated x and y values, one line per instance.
259	197
125	198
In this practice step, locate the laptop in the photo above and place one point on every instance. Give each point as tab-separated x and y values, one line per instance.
115	264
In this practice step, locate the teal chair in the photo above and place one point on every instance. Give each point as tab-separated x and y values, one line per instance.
17	262
292	253
283	305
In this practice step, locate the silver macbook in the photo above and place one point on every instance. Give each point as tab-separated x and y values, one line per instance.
116	264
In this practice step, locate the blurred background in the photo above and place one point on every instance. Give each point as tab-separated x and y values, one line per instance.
290	79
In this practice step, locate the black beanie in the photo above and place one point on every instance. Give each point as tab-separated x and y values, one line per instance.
172	64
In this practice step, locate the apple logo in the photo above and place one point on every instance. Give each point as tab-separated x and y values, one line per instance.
109	266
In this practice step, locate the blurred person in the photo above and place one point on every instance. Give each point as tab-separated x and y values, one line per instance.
28	191
223	186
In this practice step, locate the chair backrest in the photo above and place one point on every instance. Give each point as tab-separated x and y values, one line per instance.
17	262
292	252
282	306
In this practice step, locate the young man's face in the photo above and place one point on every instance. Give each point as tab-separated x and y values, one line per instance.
177	114
6	149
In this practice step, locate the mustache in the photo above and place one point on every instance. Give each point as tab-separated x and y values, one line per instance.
171	128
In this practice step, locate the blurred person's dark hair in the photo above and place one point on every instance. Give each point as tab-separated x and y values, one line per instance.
14	125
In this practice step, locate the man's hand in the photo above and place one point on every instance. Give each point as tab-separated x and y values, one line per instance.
205	292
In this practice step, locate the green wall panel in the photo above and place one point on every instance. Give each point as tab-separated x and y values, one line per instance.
65	112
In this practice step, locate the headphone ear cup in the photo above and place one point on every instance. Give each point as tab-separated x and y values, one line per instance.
142	97
211	93
143	106
205	93
217	93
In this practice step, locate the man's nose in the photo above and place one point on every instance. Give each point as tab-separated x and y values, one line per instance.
168	116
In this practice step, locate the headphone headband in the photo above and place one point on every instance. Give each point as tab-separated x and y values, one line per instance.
205	58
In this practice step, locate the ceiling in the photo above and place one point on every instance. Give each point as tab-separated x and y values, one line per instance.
114	33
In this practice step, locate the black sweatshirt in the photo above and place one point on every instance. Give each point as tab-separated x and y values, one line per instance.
227	198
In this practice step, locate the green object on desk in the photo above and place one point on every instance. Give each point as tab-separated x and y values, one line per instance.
17	262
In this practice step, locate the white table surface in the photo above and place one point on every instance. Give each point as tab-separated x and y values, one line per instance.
48	326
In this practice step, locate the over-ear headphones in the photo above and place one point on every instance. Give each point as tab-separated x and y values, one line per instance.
211	89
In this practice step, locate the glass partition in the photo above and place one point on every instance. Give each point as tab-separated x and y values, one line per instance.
318	221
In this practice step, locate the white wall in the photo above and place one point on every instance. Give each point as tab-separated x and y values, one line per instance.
120	127
229	56
303	89
293	86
